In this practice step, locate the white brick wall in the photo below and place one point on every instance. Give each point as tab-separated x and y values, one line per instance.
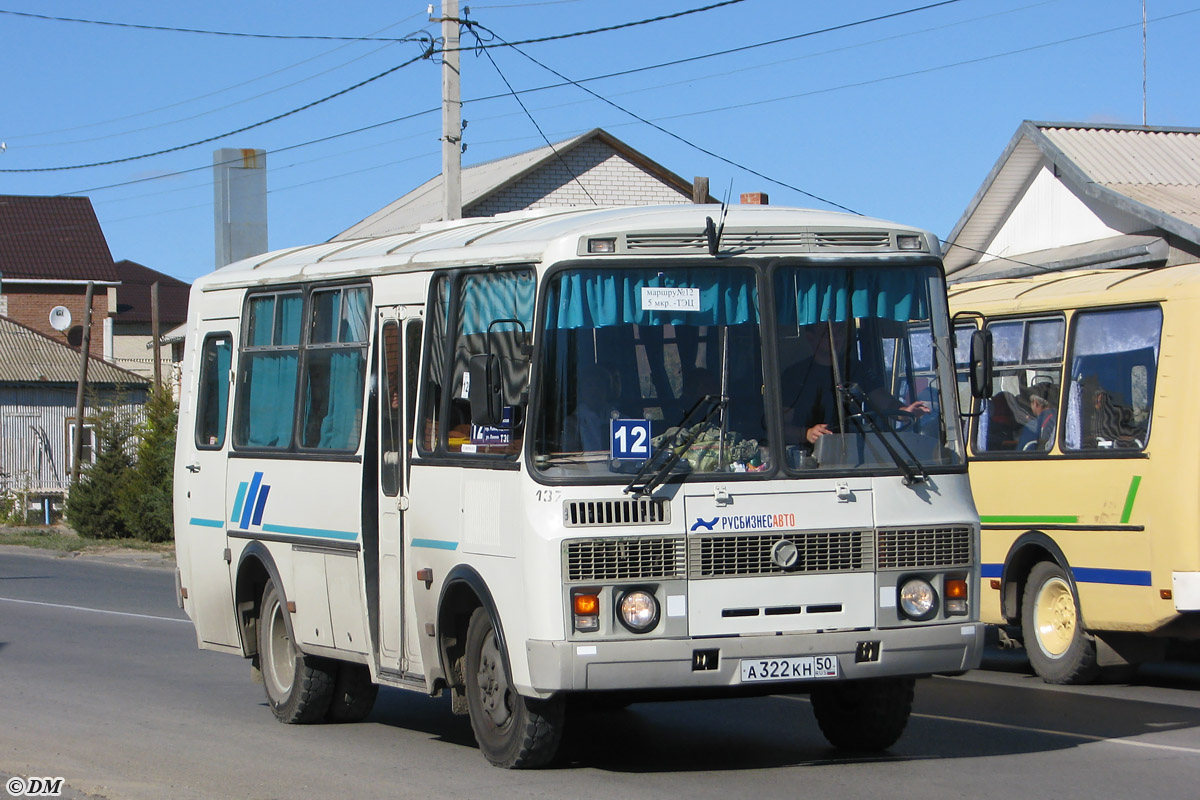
609	178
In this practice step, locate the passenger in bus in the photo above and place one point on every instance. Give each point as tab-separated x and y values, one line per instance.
1038	432
809	398
1113	423
588	427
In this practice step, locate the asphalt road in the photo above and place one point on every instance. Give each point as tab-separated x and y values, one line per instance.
101	684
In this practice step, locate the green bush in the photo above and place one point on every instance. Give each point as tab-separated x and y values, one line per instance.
92	506
144	497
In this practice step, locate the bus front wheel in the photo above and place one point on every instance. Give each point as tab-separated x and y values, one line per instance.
1059	648
513	731
299	687
865	715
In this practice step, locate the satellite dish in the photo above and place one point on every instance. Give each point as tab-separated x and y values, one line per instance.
60	318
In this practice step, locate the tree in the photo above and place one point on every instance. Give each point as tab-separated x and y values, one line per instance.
92	504
145	497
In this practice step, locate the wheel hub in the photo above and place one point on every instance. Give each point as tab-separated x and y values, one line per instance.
1054	617
493	684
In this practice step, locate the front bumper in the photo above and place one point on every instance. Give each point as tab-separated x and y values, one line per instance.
667	664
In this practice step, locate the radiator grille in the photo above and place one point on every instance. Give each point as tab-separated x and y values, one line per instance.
640	558
750	554
857	240
924	547
623	511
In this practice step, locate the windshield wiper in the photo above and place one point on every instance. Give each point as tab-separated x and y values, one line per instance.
674	446
852	392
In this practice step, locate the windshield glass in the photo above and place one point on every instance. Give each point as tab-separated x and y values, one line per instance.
880	333
627	352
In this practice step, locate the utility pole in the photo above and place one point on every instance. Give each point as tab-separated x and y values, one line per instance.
84	354
451	114
154	332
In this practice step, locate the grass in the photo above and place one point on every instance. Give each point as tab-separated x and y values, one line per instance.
62	539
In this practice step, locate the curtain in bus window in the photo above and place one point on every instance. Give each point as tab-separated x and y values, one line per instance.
1114	358
487	298
836	295
597	299
214	393
334	397
355	309
287	328
271	381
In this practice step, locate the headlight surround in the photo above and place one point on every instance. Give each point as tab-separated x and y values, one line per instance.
638	610
918	599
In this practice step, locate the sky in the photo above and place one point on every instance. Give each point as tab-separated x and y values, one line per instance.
895	109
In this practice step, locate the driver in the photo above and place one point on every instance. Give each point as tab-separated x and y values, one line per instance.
809	400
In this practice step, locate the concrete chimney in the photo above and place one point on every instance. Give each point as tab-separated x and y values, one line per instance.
240	203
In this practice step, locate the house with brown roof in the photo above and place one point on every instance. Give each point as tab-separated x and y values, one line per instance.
132	337
38	379
50	247
593	169
1068	196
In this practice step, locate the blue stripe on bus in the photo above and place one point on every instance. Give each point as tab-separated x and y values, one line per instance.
251	495
327	534
207	523
1117	577
237	502
258	507
1120	577
435	544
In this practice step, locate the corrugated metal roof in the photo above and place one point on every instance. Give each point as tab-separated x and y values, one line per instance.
27	356
52	238
1152	174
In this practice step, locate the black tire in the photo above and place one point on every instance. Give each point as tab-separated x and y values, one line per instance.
299	687
353	694
513	731
1060	650
865	715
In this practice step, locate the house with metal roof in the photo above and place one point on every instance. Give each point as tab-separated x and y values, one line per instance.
133	322
1068	196
591	169
38	379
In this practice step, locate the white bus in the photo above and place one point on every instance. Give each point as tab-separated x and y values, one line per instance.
621	452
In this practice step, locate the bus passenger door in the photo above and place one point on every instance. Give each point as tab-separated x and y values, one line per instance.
398	363
203	476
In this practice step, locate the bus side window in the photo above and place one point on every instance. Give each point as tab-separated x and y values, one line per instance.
1022	414
213	391
1114	364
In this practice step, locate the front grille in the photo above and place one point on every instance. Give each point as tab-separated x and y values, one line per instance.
909	548
622	511
750	554
642	558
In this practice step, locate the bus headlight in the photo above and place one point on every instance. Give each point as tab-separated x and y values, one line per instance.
638	611
918	600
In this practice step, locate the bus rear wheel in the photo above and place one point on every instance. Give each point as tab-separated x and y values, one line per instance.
1059	648
299	687
513	731
864	715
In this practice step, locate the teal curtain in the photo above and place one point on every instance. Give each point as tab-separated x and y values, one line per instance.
287	328
272	382
810	295
602	298
486	298
343	409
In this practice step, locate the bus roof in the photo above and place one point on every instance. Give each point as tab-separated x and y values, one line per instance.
1077	289
554	233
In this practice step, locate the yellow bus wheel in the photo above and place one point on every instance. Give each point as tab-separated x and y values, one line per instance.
1059	648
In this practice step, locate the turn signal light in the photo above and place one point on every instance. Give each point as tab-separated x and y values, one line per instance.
587	611
955	591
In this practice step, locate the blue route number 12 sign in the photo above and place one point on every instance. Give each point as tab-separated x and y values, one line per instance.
631	439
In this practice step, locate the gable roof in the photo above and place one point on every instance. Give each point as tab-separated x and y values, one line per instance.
29	356
52	238
481	181
1149	173
133	295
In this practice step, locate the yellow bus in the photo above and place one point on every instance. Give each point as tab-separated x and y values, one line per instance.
1085	464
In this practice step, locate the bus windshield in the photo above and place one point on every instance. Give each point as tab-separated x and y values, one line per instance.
638	360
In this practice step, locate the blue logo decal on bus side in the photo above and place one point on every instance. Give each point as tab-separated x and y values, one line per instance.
250	501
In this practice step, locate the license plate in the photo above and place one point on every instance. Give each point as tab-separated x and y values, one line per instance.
795	668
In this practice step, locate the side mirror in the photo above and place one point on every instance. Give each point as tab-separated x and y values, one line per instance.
486	392
980	373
